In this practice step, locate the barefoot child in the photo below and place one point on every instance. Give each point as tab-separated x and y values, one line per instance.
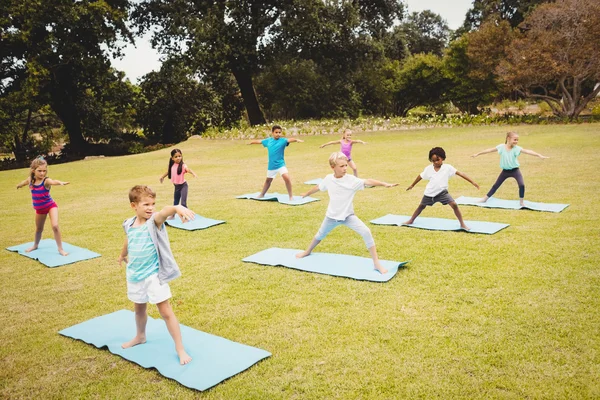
276	146
151	264
176	173
346	143
509	151
340	211
43	204
436	190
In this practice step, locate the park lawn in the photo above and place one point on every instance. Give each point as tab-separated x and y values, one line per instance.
510	315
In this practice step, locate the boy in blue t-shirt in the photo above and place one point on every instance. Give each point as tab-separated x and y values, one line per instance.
276	146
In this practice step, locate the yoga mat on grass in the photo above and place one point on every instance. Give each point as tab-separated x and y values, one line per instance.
47	253
493	202
199	222
214	358
360	268
441	224
282	198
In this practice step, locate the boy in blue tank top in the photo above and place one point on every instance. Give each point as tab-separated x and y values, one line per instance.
150	264
276	146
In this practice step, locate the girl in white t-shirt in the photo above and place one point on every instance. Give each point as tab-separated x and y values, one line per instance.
340	211
436	190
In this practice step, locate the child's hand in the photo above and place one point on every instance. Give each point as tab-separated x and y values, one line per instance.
321	146
476	185
299	140
410	187
121	259
389	185
185	214
474	155
543	157
161	179
64	183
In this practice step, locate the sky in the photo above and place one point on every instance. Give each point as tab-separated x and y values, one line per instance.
142	58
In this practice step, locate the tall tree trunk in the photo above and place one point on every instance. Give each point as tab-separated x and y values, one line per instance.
244	81
21	143
64	107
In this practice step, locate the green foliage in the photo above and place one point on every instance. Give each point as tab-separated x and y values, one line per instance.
425	32
421	81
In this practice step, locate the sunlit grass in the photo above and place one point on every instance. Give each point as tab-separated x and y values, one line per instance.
512	315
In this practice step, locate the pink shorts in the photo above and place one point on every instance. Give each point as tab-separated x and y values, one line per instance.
46	209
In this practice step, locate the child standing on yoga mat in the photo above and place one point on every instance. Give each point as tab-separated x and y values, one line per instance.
150	264
340	211
346	143
43	204
176	173
509	151
276	146
436	190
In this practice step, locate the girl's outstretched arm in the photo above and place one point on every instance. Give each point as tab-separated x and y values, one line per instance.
373	182
417	180
184	213
465	177
26	182
533	153
188	169
162	177
358	141
52	182
492	150
311	191
328	143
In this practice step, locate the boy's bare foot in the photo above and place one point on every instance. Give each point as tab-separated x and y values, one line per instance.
302	255
409	222
379	268
134	342
260	196
522	202
483	199
184	357
466	228
32	248
62	252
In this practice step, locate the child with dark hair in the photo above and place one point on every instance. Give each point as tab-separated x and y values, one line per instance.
176	173
436	190
276	145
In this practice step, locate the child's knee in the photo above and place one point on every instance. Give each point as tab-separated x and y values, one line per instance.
55	228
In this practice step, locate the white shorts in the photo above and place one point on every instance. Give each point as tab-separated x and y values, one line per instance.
272	173
148	291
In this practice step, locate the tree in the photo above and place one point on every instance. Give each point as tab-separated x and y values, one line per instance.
556	58
425	32
55	52
512	11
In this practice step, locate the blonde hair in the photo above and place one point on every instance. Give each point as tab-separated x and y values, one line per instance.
34	165
338	155
138	191
510	134
346	131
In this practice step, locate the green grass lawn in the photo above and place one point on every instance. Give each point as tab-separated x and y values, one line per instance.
510	315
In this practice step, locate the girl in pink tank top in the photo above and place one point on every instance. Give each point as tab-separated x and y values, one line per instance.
346	143
176	172
42	202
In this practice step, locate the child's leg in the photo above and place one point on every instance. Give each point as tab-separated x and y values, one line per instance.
352	165
288	184
266	187
326	227
519	178
415	214
458	215
501	178
354	223
184	194
166	312
40	220
177	195
54	221
141	317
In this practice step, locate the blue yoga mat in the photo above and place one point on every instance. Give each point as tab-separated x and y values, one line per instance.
441	224
214	358
314	181
282	198
493	202
47	253
199	222
354	267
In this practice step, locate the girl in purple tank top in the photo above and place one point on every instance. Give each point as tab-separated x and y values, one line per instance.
346	143
42	202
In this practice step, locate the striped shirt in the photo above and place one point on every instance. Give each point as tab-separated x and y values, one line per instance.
40	195
143	258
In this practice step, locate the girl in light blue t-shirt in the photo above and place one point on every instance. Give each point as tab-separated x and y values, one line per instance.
509	151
